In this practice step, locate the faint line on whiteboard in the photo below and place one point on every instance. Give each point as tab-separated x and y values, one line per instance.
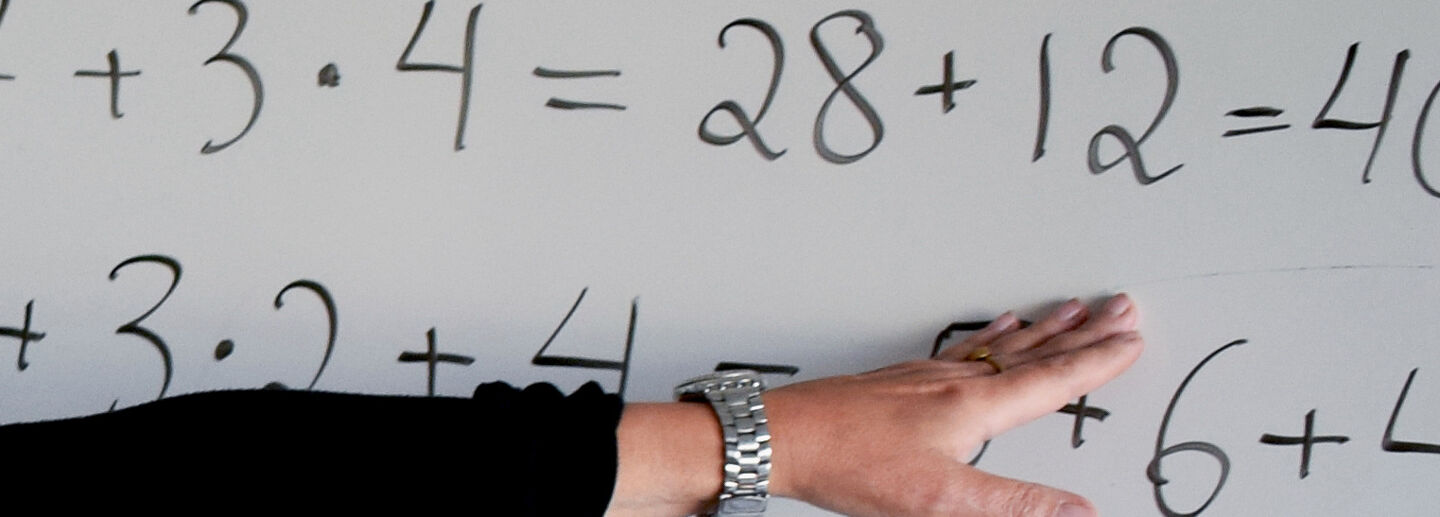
1301	269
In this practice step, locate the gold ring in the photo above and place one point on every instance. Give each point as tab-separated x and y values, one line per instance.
983	354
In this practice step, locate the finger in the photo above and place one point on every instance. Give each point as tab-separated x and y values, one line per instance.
947	486
1037	388
1118	315
1067	316
990	494
1000	326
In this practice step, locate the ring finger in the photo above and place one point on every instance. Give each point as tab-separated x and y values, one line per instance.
1000	326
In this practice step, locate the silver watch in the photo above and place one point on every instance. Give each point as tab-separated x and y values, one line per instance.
735	396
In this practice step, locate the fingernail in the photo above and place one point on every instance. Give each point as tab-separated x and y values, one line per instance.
1003	322
1074	510
1117	305
1070	310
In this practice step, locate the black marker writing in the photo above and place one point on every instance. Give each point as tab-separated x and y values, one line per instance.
1152	471
747	125
25	335
549	73
1305	441
466	68
843	85
115	75
431	356
331	318
1255	112
242	17
1122	135
622	366
948	85
1388	442
1082	410
779	369
566	104
4	8
1322	120
329	76
133	327
1042	127
223	349
1419	136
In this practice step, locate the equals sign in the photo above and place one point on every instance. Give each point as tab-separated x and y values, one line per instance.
1255	112
566	104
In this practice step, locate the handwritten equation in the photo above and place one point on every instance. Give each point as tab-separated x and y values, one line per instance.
1309	440
1249	120
27	335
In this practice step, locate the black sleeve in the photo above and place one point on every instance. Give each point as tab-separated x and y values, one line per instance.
503	452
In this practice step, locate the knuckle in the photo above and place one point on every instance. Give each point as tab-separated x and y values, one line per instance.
1022	338
951	390
1025	500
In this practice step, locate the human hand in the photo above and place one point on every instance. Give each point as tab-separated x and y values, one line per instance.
894	441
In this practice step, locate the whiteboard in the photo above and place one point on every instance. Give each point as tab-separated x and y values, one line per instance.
467	191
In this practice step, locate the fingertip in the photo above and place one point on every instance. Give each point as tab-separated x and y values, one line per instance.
1082	508
1117	305
1071	310
1120	310
1010	497
1067	316
1003	323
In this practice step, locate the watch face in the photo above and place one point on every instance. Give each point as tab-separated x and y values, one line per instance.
699	384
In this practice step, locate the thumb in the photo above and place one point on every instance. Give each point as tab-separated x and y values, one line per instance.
1000	496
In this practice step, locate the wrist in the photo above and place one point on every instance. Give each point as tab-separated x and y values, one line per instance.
736	397
670	459
671	456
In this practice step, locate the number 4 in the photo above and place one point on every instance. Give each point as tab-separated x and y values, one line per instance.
623	366
465	69
1322	120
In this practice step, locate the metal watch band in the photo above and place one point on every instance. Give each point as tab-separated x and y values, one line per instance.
735	397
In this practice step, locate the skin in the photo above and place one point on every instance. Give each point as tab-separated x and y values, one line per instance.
906	430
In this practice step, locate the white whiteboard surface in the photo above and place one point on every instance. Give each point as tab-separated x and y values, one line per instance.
1270	237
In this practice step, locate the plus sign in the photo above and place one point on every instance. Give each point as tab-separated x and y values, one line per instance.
1305	442
24	335
1081	412
430	356
948	85
115	74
